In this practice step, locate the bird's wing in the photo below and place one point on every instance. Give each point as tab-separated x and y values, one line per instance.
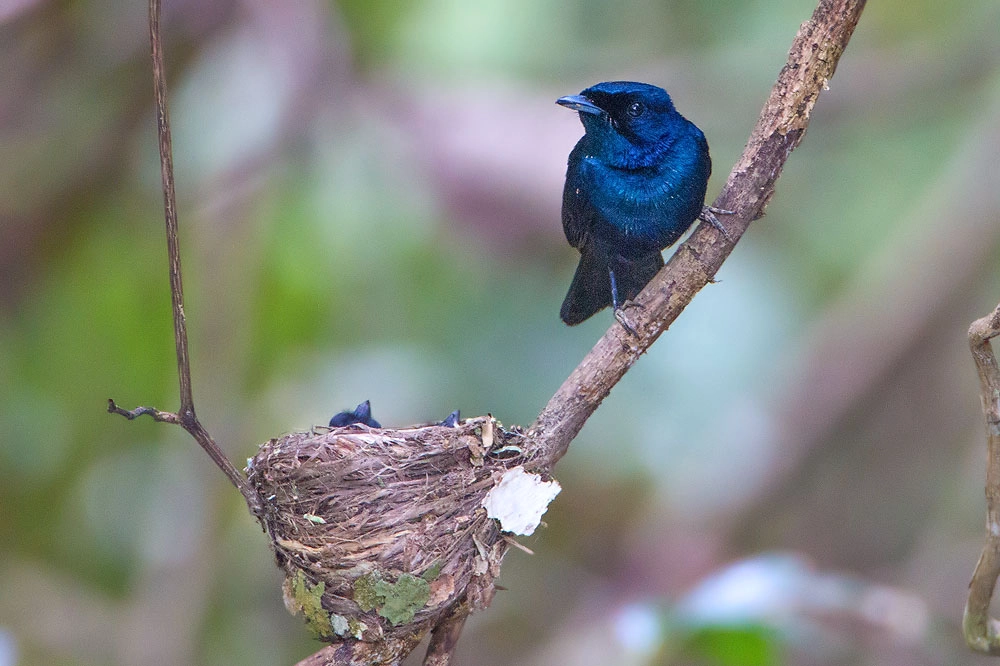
578	211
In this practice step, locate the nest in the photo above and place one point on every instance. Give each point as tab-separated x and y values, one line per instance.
381	533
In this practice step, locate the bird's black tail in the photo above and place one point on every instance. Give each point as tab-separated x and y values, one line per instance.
590	290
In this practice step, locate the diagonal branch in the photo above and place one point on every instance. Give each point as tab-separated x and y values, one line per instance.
812	60
185	417
982	633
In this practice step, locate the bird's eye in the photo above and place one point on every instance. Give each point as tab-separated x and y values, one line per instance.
635	109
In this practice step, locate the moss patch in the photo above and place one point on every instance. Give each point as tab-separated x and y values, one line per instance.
308	600
397	602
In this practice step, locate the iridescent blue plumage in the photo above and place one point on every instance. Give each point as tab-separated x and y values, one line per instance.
634	184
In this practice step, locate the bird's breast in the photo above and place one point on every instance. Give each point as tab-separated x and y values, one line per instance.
640	212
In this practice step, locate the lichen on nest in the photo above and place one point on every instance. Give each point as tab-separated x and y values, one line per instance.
381	532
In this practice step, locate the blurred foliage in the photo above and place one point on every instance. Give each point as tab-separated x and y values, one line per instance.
369	203
731	646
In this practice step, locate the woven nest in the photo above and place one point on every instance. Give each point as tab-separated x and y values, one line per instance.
381	532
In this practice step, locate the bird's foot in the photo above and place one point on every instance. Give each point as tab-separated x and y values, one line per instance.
623	320
708	213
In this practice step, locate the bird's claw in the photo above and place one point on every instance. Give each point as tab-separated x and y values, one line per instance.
623	320
708	214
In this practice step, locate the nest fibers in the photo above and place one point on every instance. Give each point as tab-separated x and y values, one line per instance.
381	533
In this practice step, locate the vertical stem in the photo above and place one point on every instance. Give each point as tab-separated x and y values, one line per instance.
170	213
186	415
982	633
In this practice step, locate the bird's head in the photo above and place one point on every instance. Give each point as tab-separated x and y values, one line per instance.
624	117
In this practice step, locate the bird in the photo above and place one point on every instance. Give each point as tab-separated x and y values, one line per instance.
361	414
451	421
635	182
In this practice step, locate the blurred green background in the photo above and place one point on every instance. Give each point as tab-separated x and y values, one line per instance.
369	203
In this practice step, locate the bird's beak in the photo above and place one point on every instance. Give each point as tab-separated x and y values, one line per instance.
579	103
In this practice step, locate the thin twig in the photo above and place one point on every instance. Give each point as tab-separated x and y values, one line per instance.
812	60
185	417
982	633
155	414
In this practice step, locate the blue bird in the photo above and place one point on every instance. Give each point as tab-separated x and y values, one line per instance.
361	414
635	182
451	421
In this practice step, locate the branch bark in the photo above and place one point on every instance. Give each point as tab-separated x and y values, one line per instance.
982	633
444	637
812	60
